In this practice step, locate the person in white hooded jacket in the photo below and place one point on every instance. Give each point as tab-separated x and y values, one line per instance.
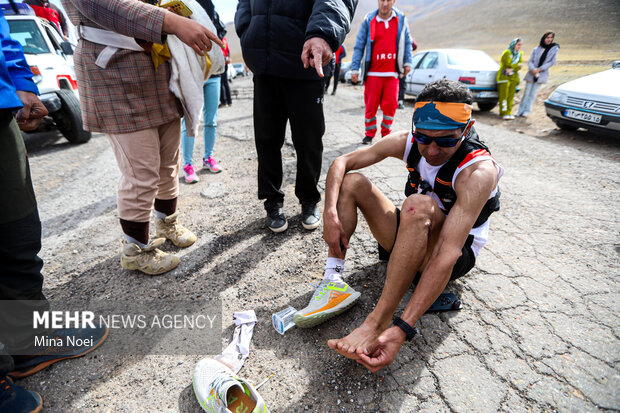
542	58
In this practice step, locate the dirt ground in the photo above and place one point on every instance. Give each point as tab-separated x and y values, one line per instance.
539	330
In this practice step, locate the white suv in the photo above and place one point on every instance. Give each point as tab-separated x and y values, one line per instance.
50	59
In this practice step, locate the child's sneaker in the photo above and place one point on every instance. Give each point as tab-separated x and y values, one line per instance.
211	165
219	390
190	174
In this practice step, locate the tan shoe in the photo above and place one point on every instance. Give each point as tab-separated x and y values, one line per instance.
150	260
171	229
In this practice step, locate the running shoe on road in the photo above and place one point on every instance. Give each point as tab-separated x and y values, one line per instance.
219	390
329	299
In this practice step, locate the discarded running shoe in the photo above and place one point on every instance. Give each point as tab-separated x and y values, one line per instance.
329	299
219	390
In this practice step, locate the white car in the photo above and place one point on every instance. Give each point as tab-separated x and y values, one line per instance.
50	59
239	68
591	102
474	68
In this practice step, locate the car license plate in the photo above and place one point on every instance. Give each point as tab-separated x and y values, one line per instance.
588	117
487	94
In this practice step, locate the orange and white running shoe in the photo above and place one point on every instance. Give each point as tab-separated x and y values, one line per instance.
329	299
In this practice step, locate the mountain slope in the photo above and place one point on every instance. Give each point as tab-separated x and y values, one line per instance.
586	30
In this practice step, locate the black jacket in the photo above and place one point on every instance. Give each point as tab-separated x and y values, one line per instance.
273	32
215	18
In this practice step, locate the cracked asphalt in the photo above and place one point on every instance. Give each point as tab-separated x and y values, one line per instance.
539	330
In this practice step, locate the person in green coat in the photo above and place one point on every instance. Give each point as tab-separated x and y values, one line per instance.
508	77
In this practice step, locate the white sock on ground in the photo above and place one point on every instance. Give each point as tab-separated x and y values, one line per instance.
239	348
334	268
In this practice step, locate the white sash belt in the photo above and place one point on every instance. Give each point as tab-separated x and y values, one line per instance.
114	41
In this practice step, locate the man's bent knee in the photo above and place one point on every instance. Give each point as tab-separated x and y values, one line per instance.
354	183
418	207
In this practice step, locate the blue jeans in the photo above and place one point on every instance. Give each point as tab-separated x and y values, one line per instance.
211	89
529	96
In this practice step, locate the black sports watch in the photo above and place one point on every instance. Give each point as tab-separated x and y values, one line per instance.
403	325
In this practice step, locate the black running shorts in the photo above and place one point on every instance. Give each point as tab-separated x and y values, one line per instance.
463	265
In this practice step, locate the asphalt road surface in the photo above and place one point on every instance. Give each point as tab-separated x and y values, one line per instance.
539	329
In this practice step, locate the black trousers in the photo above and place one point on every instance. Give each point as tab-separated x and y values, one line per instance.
276	101
225	98
401	89
336	76
20	242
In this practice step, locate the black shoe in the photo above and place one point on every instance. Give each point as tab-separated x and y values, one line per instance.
310	217
45	356
401	105
367	140
16	399
333	92
276	221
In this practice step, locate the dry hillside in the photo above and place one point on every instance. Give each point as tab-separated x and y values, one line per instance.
586	30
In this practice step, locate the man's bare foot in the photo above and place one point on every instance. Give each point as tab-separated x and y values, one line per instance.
356	342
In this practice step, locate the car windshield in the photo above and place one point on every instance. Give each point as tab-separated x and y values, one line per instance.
27	33
238	65
470	58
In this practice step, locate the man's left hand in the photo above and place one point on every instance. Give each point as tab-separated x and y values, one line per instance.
383	351
315	52
407	70
30	115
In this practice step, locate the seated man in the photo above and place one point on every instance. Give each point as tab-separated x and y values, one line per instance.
451	191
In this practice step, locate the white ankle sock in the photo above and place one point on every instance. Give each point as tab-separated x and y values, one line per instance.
132	240
159	215
334	268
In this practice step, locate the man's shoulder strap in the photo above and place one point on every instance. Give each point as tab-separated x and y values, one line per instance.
444	187
469	148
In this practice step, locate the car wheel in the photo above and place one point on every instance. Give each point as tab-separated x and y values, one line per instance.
69	118
486	106
564	126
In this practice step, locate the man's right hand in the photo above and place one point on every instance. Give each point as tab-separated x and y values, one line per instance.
355	77
29	117
334	235
190	32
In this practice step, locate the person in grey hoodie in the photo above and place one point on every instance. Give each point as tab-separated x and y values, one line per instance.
543	57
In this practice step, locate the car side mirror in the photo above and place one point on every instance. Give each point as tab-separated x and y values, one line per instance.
67	48
616	64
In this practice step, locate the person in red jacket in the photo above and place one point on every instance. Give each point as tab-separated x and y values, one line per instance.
225	97
383	44
338	55
50	12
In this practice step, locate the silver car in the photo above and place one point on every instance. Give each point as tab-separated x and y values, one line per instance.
474	68
591	102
